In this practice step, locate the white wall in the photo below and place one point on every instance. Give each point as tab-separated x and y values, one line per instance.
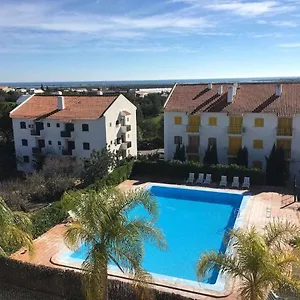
112	131
99	135
295	154
251	133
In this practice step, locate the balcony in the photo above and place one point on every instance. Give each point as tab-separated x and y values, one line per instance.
287	154
284	131
125	145
191	128
235	130
35	132
36	150
66	152
192	149
65	134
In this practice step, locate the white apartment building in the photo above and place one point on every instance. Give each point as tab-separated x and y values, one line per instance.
73	126
255	115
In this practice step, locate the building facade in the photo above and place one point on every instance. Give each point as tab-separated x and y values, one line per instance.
255	115
73	126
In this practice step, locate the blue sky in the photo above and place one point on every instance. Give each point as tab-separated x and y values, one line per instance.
68	40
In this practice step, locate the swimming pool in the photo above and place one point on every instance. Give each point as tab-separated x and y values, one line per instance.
193	220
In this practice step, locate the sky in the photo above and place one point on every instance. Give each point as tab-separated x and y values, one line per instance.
72	40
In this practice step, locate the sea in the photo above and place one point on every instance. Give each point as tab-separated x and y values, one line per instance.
133	83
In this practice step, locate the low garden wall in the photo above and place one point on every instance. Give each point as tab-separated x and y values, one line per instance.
64	283
176	170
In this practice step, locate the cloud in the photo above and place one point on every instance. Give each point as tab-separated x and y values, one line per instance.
251	9
288	24
290	45
266	35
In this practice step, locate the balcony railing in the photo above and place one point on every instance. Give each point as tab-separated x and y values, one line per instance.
192	149
192	128
35	132
235	130
284	131
65	134
232	152
36	150
287	154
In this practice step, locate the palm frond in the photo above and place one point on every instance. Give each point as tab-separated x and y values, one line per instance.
76	235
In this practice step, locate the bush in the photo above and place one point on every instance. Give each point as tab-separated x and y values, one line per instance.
176	170
117	176
48	217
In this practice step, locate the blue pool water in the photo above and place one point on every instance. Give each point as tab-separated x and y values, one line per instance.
193	221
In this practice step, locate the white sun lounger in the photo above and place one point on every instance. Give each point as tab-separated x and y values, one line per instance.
207	180
200	178
235	182
223	181
246	183
191	178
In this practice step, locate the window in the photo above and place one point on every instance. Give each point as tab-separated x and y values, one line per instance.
24	142
257	164
128	135
59	143
258	144
177	120
111	142
26	159
22	125
86	146
110	124
212	142
57	125
50	143
212	121
127	119
48	124
235	143
194	120
259	122
177	140
85	127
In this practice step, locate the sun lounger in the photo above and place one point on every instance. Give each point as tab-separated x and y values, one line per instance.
200	179
223	181
235	182
191	178
207	180
246	183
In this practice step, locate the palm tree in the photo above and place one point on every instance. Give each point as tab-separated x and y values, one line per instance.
103	222
262	261
15	230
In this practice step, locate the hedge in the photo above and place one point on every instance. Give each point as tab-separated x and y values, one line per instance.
117	176
64	283
176	170
48	217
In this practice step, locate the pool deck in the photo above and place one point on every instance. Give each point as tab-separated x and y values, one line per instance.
264	206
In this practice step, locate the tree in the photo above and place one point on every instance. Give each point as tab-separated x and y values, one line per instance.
103	222
276	167
15	230
98	165
211	155
242	157
262	261
207	156
179	153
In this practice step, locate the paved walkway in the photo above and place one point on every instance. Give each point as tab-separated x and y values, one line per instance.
262	208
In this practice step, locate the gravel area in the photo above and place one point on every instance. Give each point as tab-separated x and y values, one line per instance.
10	292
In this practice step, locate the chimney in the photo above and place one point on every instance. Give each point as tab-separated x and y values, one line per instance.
60	102
59	93
235	87
220	90
210	86
278	89
230	94
99	93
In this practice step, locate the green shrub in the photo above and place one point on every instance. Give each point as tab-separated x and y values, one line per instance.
176	170
48	217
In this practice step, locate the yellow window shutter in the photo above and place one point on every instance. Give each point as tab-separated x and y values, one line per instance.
258	144
177	120
259	122
212	121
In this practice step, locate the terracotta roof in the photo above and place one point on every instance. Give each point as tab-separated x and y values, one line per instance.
76	107
250	97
